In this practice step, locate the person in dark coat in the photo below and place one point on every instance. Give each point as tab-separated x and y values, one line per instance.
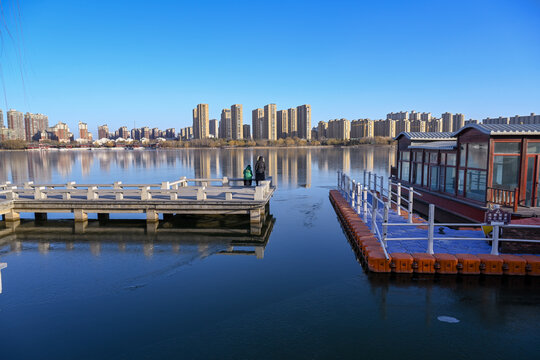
260	168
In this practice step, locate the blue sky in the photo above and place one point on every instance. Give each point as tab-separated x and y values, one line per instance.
151	62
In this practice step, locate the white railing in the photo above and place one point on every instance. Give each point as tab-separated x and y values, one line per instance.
357	194
167	190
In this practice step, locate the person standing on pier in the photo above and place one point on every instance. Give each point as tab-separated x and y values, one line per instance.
248	176
260	168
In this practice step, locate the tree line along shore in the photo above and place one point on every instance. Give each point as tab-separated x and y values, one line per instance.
200	143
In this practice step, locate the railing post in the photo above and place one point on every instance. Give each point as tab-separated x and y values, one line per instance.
385	224
353	193
431	228
364	183
364	201
382	186
495	238
374	206
360	201
398	198
369	180
389	197
339	179
411	195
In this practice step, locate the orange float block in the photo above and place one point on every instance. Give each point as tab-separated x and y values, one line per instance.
491	264
445	264
514	265
368	249
425	263
468	264
533	264
377	262
402	262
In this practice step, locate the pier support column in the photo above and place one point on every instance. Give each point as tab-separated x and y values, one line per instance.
259	252
255	216
80	227
12	216
40	216
80	215
152	215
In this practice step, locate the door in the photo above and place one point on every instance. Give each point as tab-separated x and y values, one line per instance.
531	184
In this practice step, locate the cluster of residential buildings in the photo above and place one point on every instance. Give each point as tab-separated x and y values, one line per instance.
35	127
267	123
394	124
144	133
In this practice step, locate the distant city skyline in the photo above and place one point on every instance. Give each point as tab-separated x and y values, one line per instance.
364	61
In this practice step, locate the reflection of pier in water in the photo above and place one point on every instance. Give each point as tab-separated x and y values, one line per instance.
229	238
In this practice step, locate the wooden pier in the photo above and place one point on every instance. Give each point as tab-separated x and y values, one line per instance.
183	196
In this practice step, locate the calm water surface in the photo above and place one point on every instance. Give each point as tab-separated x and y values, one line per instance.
296	291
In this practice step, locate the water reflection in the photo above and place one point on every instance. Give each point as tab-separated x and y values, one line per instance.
121	236
288	167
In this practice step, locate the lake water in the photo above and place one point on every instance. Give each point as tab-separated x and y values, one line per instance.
297	291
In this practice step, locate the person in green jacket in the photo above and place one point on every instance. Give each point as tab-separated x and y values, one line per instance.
248	176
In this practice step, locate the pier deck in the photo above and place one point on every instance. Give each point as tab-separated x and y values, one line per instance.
184	196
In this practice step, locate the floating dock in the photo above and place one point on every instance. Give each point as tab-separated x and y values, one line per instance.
371	252
180	197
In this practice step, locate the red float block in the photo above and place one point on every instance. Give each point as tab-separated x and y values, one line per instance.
445	264
533	264
425	263
514	265
368	249
377	262
491	264
402	262
468	264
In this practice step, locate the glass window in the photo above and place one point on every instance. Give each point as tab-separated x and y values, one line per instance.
507	148
533	148
434	176
506	172
405	170
462	154
476	185
450	180
433	158
461	181
477	155
418	174
450	159
405	155
425	178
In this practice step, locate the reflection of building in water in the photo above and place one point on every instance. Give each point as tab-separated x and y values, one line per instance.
202	164
87	158
346	160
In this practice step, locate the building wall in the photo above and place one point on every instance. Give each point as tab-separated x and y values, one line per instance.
304	121
237	129
282	124
269	131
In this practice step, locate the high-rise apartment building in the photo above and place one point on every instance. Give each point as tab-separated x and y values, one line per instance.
186	133
425	116
15	121
34	124
170	133
247	131
84	135
123	132
322	128
458	121
145	132
304	121
225	124
213	128
257	118
201	122
61	133
282	124
362	128
447	122
103	132
435	125
402	115
384	128
293	122
339	129
237	120
269	131
417	126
